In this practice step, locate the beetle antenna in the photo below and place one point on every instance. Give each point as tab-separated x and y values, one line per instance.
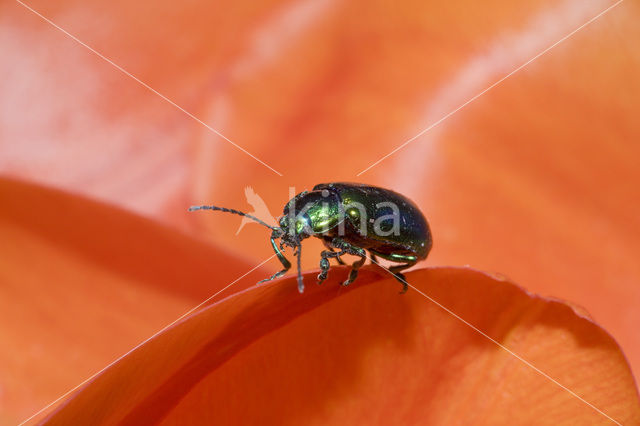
226	210
300	280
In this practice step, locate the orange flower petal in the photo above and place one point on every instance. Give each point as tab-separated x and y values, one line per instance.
300	84
365	354
81	283
534	179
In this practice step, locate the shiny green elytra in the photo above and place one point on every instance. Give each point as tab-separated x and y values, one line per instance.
350	218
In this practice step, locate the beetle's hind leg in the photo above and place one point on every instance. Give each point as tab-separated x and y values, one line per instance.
395	270
405	260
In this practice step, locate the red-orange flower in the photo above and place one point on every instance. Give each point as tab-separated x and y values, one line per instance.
359	354
536	178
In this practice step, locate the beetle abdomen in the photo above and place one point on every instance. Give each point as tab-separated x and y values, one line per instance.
382	220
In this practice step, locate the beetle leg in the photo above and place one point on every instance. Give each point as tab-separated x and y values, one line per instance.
395	270
351	249
324	263
328	245
356	265
282	259
405	260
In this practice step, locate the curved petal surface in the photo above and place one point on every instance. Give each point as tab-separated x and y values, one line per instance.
82	282
365	354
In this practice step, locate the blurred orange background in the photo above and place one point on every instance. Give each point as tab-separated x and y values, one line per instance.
537	179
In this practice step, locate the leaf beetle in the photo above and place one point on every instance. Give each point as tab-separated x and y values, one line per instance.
350	218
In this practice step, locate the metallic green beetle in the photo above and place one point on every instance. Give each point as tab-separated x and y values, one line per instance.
350	218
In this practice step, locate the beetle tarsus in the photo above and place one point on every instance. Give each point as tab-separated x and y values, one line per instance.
324	268
400	277
274	276
395	270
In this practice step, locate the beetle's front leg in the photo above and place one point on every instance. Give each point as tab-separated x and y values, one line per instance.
281	258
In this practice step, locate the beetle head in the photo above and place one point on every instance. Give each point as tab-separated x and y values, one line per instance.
310	213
